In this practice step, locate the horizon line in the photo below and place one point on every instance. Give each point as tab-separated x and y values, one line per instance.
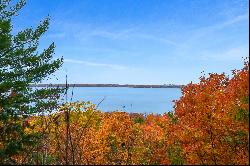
110	85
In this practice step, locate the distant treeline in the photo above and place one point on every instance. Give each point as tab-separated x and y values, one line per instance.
107	85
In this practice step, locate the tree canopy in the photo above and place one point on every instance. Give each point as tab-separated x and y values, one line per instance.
21	65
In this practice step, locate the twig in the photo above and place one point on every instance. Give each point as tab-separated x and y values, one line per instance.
72	93
67	123
100	102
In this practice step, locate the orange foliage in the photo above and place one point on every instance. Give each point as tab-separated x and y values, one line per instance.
213	119
208	126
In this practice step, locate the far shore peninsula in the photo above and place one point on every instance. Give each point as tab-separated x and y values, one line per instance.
108	85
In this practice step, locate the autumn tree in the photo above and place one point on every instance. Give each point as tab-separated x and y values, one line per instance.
21	65
212	119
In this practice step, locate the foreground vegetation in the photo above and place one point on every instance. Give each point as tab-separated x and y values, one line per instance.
209	125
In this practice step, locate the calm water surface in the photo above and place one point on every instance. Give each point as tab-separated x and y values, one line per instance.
141	100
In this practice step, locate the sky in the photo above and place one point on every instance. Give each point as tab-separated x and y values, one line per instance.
141	41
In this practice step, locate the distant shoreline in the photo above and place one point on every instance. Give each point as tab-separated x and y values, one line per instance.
108	85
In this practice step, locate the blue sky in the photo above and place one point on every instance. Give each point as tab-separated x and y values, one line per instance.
141	41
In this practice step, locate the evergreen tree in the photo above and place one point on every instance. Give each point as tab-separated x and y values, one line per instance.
20	66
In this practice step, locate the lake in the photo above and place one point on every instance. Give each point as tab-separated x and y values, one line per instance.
140	100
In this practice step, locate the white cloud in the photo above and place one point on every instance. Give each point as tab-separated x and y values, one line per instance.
198	37
87	63
122	34
199	33
130	34
232	21
156	38
56	35
226	55
85	33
